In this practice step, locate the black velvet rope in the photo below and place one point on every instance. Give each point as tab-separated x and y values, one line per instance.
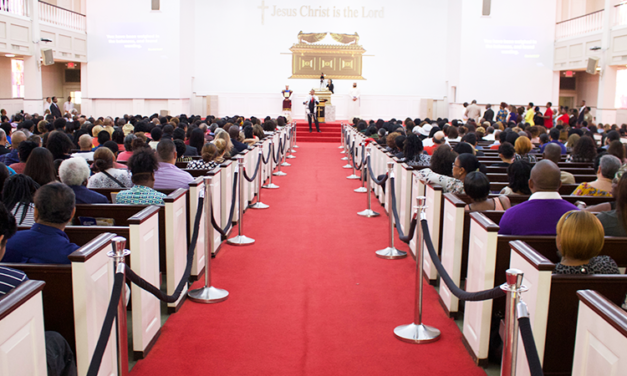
372	175
494	293
214	223
145	285
278	154
535	367
105	331
283	145
267	159
256	170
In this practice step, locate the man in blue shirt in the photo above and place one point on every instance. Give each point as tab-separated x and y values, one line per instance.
555	139
45	242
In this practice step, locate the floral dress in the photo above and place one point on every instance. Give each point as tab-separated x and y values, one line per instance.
448	183
585	189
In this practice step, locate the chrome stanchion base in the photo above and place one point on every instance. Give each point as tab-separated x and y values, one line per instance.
391	253
279	173
270	186
413	333
353	176
258	205
340	147
343	151
295	146
344	159
347	166
290	156
361	190
285	164
368	213
208	295
240	240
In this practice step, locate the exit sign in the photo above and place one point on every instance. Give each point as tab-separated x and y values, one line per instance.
568	73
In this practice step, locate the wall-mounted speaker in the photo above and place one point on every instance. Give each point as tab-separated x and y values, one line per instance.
593	63
46	56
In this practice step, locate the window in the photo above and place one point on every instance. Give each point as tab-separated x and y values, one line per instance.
17	78
76	97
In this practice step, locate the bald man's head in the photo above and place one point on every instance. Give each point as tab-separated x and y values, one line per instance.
17	138
545	177
85	142
552	152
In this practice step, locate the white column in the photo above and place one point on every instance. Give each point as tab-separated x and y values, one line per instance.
606	112
33	91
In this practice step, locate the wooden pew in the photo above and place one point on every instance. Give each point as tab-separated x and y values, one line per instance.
572	170
601	330
146	243
488	259
553	307
565	189
22	338
76	299
502	177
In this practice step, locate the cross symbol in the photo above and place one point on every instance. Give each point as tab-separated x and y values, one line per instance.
263	8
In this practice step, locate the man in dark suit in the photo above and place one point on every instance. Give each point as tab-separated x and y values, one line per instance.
54	108
312	102
488	114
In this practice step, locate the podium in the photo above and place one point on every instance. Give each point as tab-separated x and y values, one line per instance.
324	96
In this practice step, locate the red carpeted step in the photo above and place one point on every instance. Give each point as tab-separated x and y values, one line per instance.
309	297
329	132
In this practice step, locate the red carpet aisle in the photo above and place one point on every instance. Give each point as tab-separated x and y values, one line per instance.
329	132
309	297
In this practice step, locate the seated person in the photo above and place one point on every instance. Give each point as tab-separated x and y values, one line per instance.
84	142
462	164
45	242
552	153
507	152
614	219
602	186
540	214
208	153
17	195
9	278
554	134
106	175
579	241
168	176
74	172
437	140
143	164
518	174
25	148
413	152
477	187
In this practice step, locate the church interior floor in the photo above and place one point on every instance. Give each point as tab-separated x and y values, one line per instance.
309	297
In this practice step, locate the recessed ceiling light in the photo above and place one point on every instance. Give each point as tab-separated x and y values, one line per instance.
9	55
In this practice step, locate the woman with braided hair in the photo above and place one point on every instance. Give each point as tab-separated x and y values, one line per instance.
18	197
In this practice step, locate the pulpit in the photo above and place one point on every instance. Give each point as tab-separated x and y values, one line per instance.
324	97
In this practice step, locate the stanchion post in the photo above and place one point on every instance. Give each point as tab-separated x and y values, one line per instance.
417	332
208	294
362	177
271	185
240	239
353	176
341	138
118	253
368	212
259	204
295	132
513	287
348	158
390	252
287	150
292	142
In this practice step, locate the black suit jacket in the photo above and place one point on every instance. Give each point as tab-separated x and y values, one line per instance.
488	114
312	105
55	111
330	87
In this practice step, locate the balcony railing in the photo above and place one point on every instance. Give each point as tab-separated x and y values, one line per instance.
580	25
56	16
620	14
19	7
